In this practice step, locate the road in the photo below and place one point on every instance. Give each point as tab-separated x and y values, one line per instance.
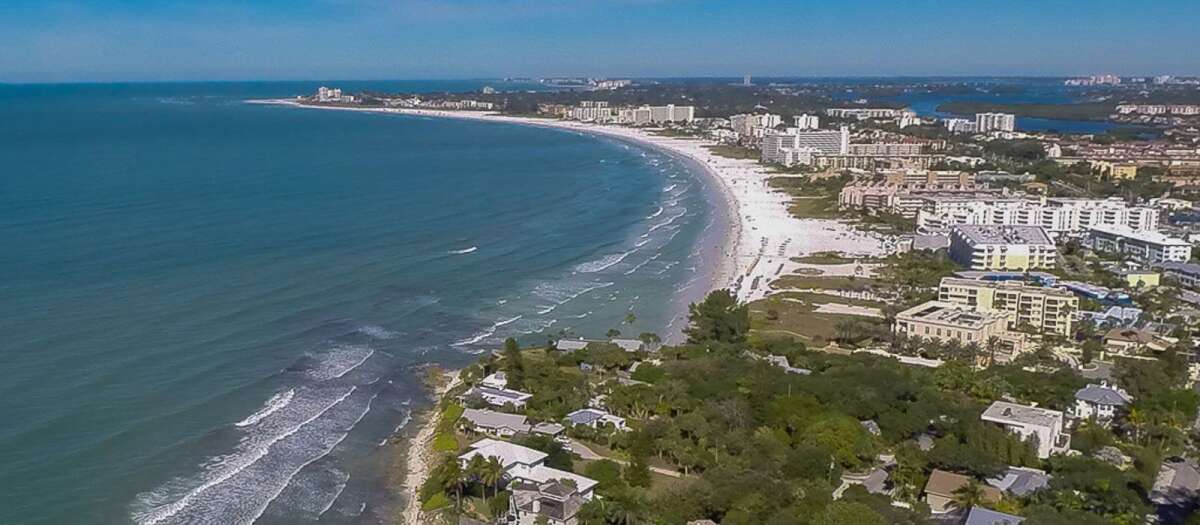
588	454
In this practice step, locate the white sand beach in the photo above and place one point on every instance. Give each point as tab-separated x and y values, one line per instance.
762	236
420	457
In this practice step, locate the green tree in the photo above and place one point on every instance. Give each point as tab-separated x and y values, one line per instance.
718	318
967	496
514	364
846	513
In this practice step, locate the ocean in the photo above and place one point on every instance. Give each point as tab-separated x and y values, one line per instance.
213	311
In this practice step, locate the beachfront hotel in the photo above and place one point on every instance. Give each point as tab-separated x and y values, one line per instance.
796	146
1016	248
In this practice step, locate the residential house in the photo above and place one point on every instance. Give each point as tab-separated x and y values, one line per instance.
982	516
570	345
1043	425
554	502
499	397
495	423
1176	489
498	380
1099	401
595	418
939	491
1020	481
526	464
1133	341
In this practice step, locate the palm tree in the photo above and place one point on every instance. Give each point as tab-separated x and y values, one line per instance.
993	342
491	473
453	479
967	496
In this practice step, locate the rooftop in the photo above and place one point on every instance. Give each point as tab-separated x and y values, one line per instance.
1103	395
508	453
942	483
990	234
1006	285
491	419
1012	413
951	314
1020	481
1151	237
982	516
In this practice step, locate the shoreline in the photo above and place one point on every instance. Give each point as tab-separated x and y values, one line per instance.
759	236
419	456
751	233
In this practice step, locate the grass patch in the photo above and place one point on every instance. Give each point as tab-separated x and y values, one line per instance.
814	208
445	442
449	417
435	502
824	258
814	298
733	152
827	282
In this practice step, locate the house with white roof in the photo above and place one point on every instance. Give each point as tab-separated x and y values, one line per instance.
498	380
1044	425
495	423
1099	401
597	419
499	397
526	464
570	345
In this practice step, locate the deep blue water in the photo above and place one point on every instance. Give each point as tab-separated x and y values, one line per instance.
211	309
925	104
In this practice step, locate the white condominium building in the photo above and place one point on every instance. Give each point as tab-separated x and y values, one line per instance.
751	125
1056	215
985	122
1044	309
960	125
671	113
591	111
1015	248
1146	246
797	147
807	122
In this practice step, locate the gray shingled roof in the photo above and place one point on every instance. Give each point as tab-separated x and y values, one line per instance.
1102	395
982	516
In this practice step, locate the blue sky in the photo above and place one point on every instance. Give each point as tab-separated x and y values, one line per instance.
139	40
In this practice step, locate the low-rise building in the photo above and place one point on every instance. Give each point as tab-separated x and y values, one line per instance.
1099	401
1147	247
940	489
497	380
982	516
1133	341
1002	247
1043	425
595	418
554	502
1044	309
1020	481
495	423
1184	274
945	322
499	397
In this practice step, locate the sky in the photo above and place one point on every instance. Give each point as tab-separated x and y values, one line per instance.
178	40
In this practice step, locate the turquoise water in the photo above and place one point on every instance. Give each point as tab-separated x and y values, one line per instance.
211	309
